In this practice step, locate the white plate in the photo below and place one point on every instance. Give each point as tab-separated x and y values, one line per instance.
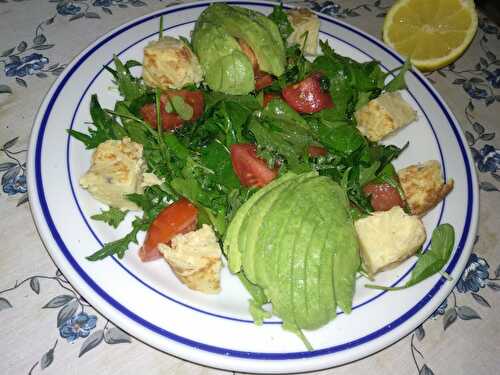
146	300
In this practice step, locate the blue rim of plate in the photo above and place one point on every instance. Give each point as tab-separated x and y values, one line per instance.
138	278
215	349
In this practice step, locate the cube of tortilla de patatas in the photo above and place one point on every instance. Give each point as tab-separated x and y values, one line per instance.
384	115
423	186
387	238
195	258
305	28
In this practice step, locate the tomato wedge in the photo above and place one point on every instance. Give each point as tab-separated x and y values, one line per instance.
250	169
383	196
316	151
307	96
247	50
262	80
268	97
172	120
178	218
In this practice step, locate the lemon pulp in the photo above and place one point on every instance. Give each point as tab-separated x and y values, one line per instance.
432	33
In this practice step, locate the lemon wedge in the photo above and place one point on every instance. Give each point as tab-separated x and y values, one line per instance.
432	33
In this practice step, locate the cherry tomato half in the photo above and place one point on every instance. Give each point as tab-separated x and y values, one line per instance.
172	120
307	96
262	80
316	151
268	97
178	218
250	169
383	196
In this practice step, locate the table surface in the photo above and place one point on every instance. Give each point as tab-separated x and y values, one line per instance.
38	38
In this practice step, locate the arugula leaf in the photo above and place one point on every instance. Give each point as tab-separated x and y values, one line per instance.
174	145
104	127
136	130
226	121
152	201
432	261
280	18
129	86
113	216
132	63
369	173
398	83
119	247
217	158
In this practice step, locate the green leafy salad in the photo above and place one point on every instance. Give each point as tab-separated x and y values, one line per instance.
241	131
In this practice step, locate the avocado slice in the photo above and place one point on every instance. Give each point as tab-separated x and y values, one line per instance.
231	239
345	242
326	274
322	303
260	245
346	264
282	299
322	288
299	278
316	313
252	222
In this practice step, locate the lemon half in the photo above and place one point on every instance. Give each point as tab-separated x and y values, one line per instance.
433	33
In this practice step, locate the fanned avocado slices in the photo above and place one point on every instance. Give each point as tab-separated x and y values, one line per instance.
295	239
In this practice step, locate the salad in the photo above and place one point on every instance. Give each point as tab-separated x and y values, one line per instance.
245	143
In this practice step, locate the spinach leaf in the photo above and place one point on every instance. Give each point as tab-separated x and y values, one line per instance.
432	261
343	139
282	132
113	216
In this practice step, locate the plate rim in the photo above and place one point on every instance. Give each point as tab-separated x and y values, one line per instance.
48	236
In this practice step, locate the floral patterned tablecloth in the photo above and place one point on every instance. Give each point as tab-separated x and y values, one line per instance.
46	327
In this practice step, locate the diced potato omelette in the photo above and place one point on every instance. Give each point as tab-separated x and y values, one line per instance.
117	170
423	186
195	258
388	237
384	115
170	64
305	27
